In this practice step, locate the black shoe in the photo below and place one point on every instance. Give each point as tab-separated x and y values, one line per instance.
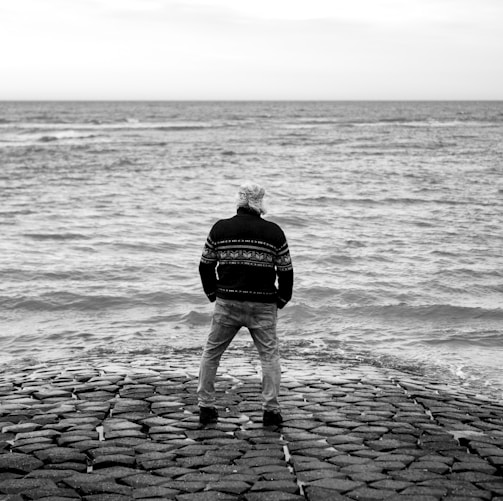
272	418
208	415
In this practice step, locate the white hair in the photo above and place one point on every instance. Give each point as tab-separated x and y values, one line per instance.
251	196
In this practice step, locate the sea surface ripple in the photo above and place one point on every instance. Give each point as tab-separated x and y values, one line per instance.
393	212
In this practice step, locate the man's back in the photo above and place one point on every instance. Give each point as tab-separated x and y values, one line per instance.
250	252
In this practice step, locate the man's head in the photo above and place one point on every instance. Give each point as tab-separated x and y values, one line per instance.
251	196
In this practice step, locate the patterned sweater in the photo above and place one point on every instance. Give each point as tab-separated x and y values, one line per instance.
243	256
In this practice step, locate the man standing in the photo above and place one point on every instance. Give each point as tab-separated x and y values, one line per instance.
241	260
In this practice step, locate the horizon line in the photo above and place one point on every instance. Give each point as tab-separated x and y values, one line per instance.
85	100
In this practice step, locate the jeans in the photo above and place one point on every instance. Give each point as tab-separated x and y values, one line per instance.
260	319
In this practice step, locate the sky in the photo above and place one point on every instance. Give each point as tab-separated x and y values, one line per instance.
251	49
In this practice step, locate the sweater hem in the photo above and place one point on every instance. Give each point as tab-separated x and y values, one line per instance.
256	297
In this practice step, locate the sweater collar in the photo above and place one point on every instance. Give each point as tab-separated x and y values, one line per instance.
243	211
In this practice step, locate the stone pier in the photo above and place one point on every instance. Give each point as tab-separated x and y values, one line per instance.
123	428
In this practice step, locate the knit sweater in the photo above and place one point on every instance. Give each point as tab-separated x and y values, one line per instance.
242	258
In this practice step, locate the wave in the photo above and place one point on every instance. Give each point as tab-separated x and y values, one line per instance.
426	122
93	126
170	128
56	236
487	339
69	301
314	307
66	134
196	318
395	200
437	312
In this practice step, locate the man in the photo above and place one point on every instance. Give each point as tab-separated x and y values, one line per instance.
241	260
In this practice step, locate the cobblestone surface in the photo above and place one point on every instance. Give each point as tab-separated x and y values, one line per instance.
118	428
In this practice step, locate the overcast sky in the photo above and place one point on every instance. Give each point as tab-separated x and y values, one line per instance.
251	49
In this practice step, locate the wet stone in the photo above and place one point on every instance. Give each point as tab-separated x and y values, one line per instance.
206	496
125	442
387	444
113	460
97	396
55	475
272	496
71	438
15	486
308	476
105	450
415	475
185	486
366	476
348	460
494	486
120	423
159	421
260	461
269	452
78	479
73	423
471	476
339	485
395	485
278	475
77	467
53	494
143	480
435	466
105	487
20	428
199	461
86	445
61	455
320	494
369	494
154	491
418	491
47	393
32	448
117	472
199	477
346	448
303	424
127	433
300	464
344	439
307	444
19	463
136	391
365	453
276	485
205	434
148	447
228	486
174	471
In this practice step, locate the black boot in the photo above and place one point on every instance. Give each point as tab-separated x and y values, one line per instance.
272	418
208	415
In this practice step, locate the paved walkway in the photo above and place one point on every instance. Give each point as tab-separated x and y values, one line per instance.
118	428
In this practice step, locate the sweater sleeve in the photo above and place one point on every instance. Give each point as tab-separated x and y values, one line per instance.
284	270
207	269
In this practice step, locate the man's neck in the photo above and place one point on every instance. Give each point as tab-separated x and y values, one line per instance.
247	210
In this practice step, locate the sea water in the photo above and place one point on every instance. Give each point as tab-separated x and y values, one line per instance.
393	212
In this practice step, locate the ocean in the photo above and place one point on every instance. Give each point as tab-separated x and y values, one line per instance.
393	212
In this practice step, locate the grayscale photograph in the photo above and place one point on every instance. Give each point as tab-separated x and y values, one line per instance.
251	250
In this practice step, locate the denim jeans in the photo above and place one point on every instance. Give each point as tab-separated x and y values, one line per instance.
260	319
